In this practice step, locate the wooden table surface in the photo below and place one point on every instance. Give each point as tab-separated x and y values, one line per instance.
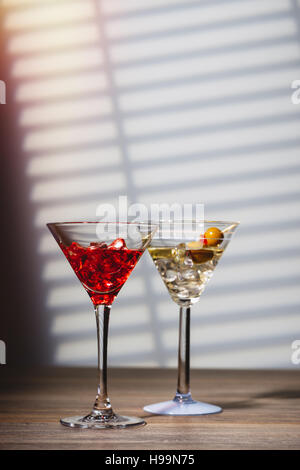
261	409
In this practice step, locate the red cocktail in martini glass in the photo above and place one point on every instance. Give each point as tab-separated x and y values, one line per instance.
102	255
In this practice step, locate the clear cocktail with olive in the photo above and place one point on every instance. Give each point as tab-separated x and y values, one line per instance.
186	268
186	260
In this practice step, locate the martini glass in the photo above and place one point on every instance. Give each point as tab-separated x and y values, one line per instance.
102	255
186	254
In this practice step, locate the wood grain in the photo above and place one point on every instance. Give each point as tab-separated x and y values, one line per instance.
261	409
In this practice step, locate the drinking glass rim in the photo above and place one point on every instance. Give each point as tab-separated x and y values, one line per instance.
199	221
91	222
192	226
147	223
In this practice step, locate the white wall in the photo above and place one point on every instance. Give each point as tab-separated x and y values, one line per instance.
166	101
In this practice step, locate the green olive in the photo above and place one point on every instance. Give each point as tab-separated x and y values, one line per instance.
201	256
213	236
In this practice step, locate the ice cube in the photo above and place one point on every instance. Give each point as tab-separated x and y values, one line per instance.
179	253
190	274
118	243
95	245
170	276
182	293
188	260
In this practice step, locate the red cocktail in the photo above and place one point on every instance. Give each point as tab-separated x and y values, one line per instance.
102	269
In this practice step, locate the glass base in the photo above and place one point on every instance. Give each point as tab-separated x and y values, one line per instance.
182	405
98	422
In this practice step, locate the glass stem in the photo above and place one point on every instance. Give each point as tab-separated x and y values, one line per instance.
183	382
102	406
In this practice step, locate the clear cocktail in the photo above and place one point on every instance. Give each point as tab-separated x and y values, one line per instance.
186	254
